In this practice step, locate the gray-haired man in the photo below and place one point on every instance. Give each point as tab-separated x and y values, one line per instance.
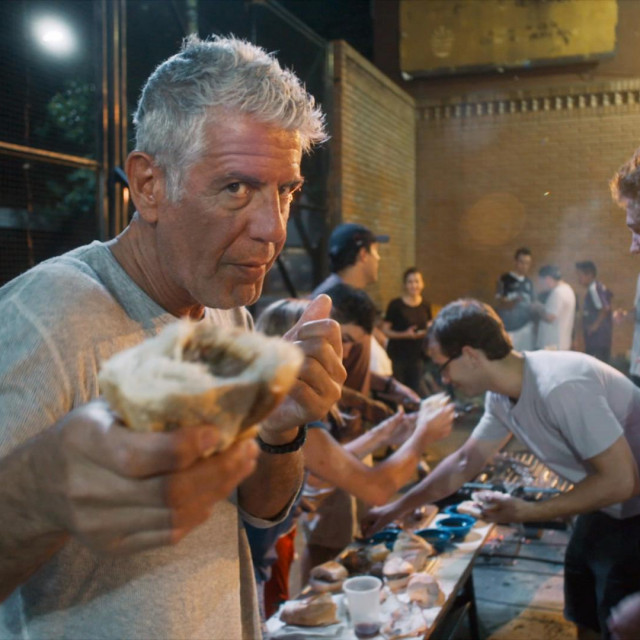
91	513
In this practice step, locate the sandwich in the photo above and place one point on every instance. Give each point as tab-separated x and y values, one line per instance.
356	560
316	611
377	552
470	508
396	572
486	499
414	549
423	589
328	576
195	373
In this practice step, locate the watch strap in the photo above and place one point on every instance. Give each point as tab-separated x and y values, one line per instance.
289	447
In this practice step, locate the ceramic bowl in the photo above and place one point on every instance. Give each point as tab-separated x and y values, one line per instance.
458	525
438	538
387	536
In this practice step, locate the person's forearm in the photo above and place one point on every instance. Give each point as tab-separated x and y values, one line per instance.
27	540
593	493
444	480
367	443
398	469
268	490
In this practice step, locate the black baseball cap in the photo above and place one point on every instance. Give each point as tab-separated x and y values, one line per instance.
349	235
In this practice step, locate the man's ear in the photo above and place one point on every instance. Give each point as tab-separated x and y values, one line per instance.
362	254
474	356
146	185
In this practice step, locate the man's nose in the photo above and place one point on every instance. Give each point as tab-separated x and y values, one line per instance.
270	218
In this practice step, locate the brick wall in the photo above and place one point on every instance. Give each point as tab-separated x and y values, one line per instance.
373	162
534	171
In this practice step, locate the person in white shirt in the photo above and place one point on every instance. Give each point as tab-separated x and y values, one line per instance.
557	314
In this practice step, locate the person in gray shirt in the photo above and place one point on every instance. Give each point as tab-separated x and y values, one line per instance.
111	533
580	416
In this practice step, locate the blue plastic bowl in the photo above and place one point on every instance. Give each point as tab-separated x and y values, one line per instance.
458	525
388	536
452	510
439	538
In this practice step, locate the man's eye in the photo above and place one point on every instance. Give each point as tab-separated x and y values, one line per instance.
288	192
239	189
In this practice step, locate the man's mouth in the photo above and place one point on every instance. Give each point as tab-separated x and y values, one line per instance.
251	270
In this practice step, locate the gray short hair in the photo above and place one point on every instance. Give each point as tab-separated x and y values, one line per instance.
227	73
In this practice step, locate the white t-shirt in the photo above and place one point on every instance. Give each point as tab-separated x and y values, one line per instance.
380	362
561	303
59	321
571	408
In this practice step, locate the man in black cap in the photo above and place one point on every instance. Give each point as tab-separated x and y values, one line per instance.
354	260
353	256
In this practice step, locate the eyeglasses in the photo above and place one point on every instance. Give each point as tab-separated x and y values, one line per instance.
442	367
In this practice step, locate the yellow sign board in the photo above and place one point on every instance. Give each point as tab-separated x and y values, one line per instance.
452	36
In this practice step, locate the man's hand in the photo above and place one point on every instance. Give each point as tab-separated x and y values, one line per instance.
398	428
120	491
320	380
378	518
501	507
436	425
400	393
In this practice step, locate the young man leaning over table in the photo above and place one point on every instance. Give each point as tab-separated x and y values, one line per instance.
111	533
580	417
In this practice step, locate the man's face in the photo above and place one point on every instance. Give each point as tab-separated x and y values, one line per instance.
523	264
371	263
545	283
584	279
351	334
457	372
632	207
216	245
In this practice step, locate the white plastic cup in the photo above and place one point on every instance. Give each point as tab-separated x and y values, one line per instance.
363	599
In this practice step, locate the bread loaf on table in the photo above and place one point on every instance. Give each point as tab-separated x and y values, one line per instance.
316	611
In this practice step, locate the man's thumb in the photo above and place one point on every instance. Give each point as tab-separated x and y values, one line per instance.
318	309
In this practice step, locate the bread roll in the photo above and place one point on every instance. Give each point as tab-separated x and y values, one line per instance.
414	549
396	571
316	611
377	552
328	576
484	497
194	373
423	589
470	508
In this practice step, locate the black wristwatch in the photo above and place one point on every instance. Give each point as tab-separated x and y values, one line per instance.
290	447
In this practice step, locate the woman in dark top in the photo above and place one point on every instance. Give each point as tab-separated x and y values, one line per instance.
405	324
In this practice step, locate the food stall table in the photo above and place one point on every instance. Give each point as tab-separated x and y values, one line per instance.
453	571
